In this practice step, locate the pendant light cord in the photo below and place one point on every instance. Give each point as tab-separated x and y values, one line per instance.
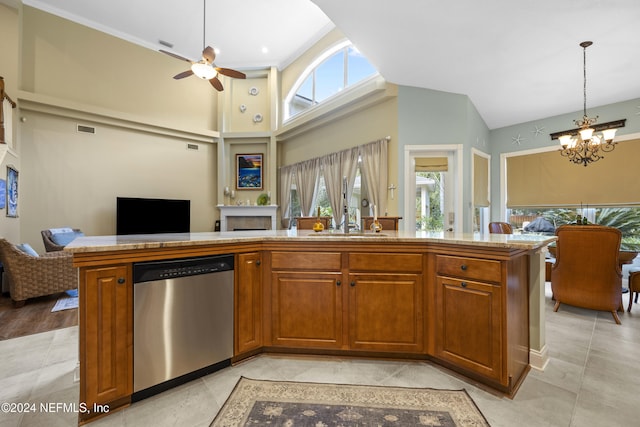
584	70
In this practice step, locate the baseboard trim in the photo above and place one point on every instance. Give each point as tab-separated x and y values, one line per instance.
539	359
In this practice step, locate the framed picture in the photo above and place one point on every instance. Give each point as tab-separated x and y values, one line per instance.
249	171
12	192
3	193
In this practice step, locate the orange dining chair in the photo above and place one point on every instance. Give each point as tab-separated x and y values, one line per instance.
500	228
587	271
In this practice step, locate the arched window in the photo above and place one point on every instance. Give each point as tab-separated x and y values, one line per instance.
336	69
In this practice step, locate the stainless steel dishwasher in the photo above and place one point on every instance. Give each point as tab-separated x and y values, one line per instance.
182	321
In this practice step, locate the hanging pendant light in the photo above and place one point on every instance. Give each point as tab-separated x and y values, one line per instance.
583	146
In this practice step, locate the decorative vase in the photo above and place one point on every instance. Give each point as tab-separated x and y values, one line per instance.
376	227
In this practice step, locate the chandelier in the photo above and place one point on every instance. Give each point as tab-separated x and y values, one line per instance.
587	147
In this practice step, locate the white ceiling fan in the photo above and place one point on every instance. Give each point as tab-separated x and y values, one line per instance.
205	68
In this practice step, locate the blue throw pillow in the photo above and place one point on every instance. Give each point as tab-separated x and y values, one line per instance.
63	239
27	249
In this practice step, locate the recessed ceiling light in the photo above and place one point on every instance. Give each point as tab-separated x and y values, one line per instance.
265	49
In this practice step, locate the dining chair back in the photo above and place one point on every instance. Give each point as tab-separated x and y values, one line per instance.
500	228
587	271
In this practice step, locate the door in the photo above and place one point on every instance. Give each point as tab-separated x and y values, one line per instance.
432	188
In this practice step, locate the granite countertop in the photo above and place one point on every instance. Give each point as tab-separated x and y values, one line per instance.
154	241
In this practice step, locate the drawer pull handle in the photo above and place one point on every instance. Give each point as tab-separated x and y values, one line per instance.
353	284
463	267
121	280
463	284
338	283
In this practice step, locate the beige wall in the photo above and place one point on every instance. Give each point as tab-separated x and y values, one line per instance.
143	118
69	61
9	227
367	125
73	179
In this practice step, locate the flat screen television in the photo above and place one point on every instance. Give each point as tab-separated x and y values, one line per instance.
152	216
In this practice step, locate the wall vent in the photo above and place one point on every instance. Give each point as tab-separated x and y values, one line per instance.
193	147
86	129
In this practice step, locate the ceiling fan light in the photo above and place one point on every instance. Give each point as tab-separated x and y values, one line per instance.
204	71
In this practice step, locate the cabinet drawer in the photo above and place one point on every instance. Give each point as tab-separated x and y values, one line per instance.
470	268
386	262
305	261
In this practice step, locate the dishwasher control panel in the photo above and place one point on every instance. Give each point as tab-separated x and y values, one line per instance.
176	268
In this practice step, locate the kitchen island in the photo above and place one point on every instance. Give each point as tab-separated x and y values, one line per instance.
463	301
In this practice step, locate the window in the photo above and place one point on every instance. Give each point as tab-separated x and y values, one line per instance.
332	72
625	219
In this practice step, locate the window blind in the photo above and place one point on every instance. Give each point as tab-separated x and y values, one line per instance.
549	179
432	164
480	181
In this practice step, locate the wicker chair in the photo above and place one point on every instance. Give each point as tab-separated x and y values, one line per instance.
31	276
49	244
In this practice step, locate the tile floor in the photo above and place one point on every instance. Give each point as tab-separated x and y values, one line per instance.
592	379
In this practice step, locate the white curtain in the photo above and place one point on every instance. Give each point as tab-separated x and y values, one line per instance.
335	167
332	173
374	171
306	179
286	179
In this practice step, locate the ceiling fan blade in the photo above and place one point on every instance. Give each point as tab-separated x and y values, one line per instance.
183	74
182	58
231	73
209	54
216	83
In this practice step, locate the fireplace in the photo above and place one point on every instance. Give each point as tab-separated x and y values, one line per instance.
235	218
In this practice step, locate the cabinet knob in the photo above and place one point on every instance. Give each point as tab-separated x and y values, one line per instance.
352	284
338	283
463	267
258	262
121	280
463	284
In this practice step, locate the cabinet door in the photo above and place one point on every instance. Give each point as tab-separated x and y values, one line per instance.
106	341
248	302
307	309
469	333
386	312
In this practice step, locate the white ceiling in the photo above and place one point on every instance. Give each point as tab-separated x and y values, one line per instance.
517	61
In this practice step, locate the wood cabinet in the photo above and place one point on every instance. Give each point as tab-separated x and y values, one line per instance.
478	329
464	306
307	309
248	302
307	299
106	336
386	302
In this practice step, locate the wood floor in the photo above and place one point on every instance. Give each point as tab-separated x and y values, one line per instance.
34	317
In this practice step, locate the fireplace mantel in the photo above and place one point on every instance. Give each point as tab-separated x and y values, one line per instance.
227	211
